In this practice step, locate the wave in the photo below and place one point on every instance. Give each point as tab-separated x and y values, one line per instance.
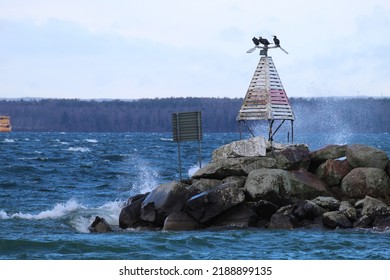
7	140
79	149
166	139
77	215
91	140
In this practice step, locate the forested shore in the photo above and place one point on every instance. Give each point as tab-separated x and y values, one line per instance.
218	114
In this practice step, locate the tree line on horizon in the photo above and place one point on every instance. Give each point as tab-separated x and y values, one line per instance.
218	114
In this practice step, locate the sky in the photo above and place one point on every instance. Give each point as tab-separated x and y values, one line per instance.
127	49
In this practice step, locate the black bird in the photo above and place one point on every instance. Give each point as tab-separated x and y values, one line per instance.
264	41
276	41
255	41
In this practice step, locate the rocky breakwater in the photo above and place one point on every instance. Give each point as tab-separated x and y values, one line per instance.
248	184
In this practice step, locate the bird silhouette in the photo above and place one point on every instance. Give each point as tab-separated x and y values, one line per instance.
276	41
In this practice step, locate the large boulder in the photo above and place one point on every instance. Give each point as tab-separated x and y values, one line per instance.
364	181
328	152
201	185
305	185
333	171
209	204
164	200
239	216
252	147
130	215
293	157
233	167
373	207
365	156
348	210
327	202
284	218
307	209
268	184
179	221
336	219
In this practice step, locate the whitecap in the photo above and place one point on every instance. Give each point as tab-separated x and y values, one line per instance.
59	210
79	149
91	140
194	168
7	140
166	139
3	215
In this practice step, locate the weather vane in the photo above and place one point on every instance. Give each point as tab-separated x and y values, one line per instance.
265	45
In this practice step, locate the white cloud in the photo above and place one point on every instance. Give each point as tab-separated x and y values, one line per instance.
132	49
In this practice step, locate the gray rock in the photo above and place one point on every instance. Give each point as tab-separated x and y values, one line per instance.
328	152
252	147
336	219
365	156
268	184
130	215
239	216
348	210
364	181
201	185
363	222
308	210
99	225
305	185
327	202
373	207
207	205
232	167
292	158
164	200
333	171
180	221
284	218
382	223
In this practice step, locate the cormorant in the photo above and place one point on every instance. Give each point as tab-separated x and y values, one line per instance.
264	41
276	41
255	41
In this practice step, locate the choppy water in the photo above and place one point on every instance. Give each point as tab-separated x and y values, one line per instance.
52	185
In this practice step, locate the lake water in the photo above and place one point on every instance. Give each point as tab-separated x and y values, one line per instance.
52	185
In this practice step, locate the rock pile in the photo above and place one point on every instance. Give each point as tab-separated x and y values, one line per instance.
250	184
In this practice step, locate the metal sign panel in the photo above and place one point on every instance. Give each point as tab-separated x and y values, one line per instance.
187	126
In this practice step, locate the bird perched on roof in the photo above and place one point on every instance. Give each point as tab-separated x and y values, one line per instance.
276	41
264	41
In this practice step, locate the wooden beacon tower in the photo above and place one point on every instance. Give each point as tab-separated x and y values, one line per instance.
266	99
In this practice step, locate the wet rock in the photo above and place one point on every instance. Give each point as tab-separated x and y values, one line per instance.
363	222
329	152
180	221
333	171
373	207
292	158
164	200
364	181
253	147
130	215
209	204
308	210
327	202
365	156
348	210
264	209
239	216
99	225
305	185
268	184
232	167
202	185
336	219
382	223
284	218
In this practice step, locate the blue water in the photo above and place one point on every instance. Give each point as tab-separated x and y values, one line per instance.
52	185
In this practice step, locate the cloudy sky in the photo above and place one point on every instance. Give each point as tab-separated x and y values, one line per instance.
129	49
